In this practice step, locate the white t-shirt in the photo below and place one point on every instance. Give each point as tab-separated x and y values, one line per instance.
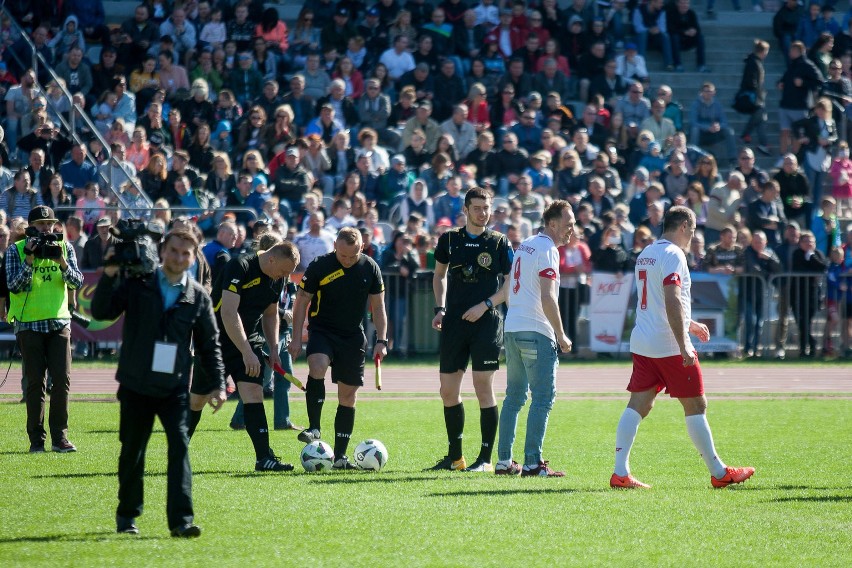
397	63
661	264
311	247
537	257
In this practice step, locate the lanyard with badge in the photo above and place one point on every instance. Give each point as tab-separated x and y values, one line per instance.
165	352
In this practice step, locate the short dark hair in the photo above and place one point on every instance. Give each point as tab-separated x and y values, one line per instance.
676	216
476	193
554	211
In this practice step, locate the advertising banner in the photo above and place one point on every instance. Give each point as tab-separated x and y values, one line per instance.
98	331
607	309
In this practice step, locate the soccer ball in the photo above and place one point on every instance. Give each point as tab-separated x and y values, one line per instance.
317	456
371	455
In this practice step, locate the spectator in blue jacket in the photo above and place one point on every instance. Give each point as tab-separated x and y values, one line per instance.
708	123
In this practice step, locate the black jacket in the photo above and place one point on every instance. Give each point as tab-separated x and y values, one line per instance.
801	97
753	78
190	322
54	149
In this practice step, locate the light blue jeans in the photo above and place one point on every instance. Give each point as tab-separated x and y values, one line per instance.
531	363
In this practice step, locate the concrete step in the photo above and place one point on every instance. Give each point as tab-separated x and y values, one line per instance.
117	11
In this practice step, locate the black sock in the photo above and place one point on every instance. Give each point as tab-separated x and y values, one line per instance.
314	397
194	419
344	422
257	428
488	420
454	418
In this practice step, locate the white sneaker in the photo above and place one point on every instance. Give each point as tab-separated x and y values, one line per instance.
780	353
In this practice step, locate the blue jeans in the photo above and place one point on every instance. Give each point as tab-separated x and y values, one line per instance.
531	363
751	311
660	41
281	390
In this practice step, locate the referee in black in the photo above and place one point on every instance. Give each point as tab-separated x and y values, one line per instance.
245	299
336	286
472	265
165	314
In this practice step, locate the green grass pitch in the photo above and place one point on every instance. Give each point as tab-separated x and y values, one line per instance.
58	510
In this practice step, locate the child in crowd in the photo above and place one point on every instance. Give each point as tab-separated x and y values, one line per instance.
90	207
69	36
214	33
838	292
540	173
841	177
104	115
57	103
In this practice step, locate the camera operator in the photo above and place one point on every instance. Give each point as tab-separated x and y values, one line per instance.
166	313
40	269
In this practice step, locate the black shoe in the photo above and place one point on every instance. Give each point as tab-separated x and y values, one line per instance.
343	463
237	426
272	463
125	525
268	394
187	531
37	448
307	435
63	447
763	150
446	463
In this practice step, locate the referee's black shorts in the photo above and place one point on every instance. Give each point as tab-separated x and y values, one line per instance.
479	341
234	368
346	353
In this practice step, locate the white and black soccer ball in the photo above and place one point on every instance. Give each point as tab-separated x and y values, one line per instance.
317	456
371	455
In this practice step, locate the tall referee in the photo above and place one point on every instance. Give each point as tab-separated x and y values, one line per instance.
337	287
472	265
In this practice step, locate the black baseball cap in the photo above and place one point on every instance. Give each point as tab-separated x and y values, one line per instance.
41	213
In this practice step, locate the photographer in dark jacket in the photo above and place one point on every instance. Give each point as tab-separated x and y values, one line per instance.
165	314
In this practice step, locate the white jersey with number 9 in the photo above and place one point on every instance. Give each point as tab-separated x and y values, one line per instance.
537	257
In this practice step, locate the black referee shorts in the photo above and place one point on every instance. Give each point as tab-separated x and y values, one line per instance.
234	368
479	341
346	353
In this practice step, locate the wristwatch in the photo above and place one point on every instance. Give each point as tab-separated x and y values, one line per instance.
440	309
488	303
382	341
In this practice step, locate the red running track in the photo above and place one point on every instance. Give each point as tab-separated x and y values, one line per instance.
573	378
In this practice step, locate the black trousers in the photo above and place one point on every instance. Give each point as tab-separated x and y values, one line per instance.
42	352
135	425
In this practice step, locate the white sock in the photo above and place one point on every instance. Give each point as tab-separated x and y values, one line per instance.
699	431
624	436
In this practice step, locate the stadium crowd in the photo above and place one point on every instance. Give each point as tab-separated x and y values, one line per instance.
221	117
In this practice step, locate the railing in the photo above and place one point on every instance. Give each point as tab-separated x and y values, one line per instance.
76	110
219	210
409	301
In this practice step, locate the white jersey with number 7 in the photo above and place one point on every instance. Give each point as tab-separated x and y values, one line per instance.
537	257
661	264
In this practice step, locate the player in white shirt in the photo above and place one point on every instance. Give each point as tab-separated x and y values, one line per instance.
663	355
532	337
